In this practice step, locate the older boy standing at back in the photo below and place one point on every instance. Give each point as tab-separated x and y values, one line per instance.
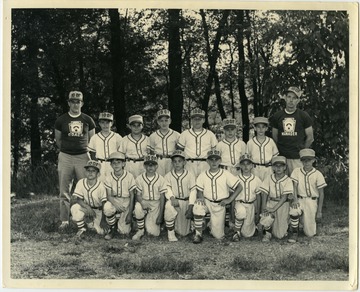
163	141
292	129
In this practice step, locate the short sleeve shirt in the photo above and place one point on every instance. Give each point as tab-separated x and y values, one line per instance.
291	128
276	188
104	146
216	186
74	133
151	188
163	144
262	153
120	186
197	144
181	184
250	188
309	183
231	151
93	196
132	148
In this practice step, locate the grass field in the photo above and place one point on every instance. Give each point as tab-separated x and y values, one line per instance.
38	251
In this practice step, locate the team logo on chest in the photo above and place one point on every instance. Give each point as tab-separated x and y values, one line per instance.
76	129
289	127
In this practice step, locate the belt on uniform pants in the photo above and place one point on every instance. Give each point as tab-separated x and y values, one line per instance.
277	200
96	208
312	198
163	156
262	164
213	201
196	159
134	159
241	201
182	199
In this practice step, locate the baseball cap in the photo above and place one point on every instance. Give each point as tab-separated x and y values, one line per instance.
106	116
178	153
278	159
93	163
246	157
76	95
196	112
307	153
261	120
150	159
295	90
116	155
226	123
136	119
214	153
163	113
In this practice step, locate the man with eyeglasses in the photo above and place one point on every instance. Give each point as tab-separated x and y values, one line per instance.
73	131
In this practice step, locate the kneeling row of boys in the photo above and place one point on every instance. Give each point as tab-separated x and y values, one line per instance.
179	198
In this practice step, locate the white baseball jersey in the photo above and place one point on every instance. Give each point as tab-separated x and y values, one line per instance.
262	153
309	183
231	151
163	144
132	148
197	144
182	185
104	146
277	188
120	186
151	188
93	196
215	186
250	187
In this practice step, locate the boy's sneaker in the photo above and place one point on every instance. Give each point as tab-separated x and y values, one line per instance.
197	238
267	237
138	234
111	233
293	237
80	232
63	226
236	237
171	235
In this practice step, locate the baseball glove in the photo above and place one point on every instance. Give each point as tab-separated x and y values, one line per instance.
89	214
266	219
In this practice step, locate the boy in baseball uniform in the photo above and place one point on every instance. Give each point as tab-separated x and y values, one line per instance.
246	202
309	184
134	146
88	200
262	149
275	190
196	142
163	141
151	188
213	194
104	143
178	208
120	188
231	147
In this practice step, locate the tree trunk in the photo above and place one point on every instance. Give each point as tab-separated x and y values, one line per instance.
241	75
34	91
117	67
175	94
212	57
218	96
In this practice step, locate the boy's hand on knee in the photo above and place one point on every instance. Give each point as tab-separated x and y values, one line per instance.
189	212
174	202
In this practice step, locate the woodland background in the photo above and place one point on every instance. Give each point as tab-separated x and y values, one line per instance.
231	63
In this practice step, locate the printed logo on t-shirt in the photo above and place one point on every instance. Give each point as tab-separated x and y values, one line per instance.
76	129
289	127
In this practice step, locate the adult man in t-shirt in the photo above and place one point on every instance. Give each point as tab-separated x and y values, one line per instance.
73	131
292	129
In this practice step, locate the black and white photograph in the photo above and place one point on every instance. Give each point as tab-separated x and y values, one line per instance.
193	142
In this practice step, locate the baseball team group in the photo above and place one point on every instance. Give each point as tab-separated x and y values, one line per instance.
267	186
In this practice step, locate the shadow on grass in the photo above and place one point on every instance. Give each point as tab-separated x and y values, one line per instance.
244	264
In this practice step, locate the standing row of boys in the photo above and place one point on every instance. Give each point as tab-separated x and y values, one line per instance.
180	178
